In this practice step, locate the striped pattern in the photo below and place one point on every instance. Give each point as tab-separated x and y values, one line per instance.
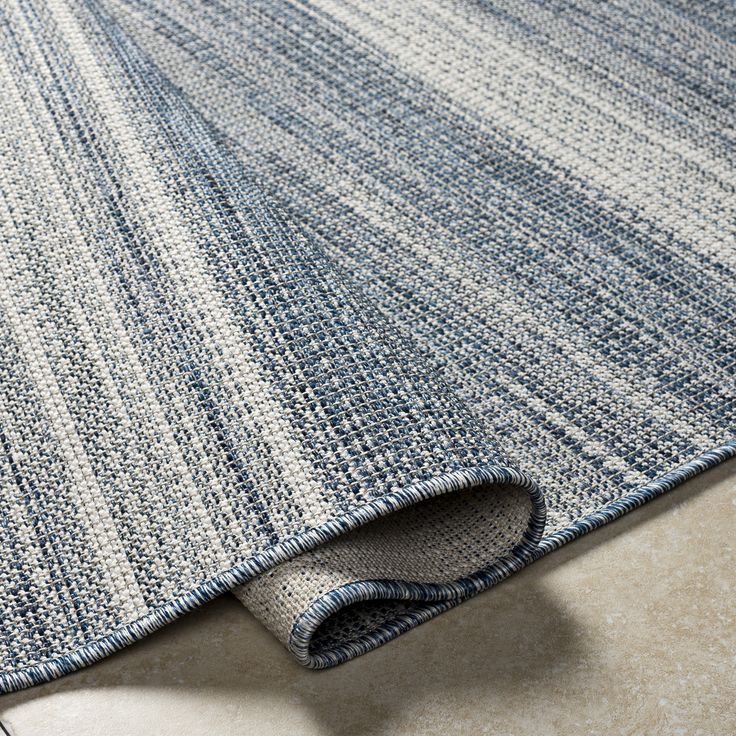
458	273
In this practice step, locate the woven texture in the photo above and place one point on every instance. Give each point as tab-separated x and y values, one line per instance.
353	308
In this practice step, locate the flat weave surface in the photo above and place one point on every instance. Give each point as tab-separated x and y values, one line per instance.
354	308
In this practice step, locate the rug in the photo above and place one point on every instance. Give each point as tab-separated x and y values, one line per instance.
352	308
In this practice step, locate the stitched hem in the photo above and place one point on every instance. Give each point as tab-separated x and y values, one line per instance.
457	480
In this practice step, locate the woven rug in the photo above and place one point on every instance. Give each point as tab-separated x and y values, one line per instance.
353	308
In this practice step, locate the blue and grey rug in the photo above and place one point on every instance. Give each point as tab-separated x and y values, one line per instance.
351	307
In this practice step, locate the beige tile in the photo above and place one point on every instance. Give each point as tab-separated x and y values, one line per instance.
627	631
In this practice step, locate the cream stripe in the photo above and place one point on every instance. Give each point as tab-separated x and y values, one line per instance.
35	564
83	263
504	302
505	86
349	191
148	411
119	572
195	287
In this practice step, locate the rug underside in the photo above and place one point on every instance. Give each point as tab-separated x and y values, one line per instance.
351	308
